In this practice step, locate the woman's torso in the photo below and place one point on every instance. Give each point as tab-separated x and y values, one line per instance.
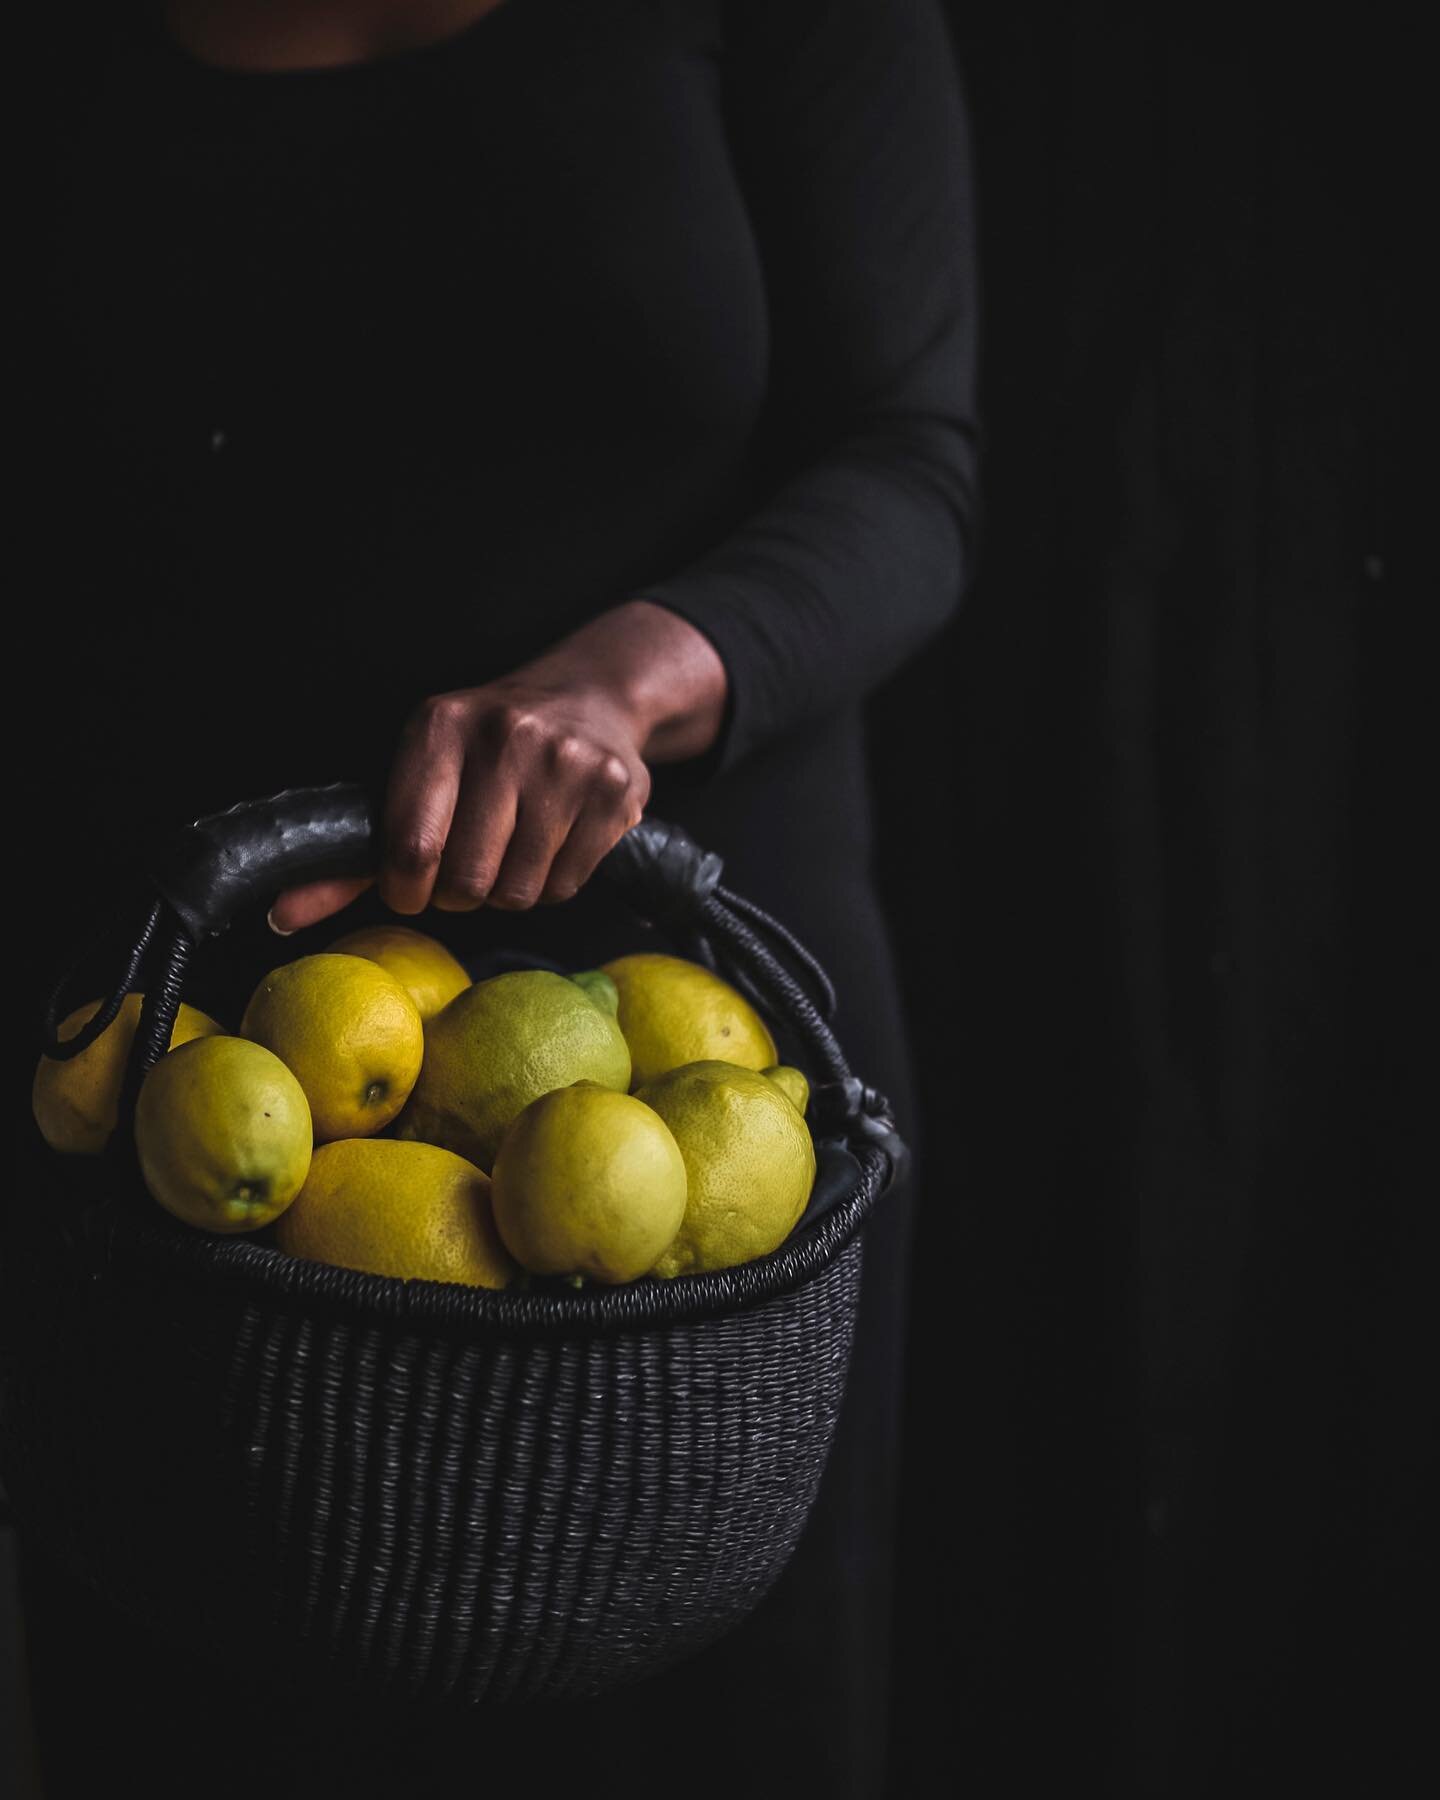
456	348
368	382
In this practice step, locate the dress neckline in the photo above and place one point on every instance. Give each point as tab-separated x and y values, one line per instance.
409	56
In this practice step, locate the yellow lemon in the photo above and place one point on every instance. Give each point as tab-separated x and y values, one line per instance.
223	1132
408	1210
749	1161
675	1012
588	1182
77	1103
503	1043
426	970
792	1084
350	1033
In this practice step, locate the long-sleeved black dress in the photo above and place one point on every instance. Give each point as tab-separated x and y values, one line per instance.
365	383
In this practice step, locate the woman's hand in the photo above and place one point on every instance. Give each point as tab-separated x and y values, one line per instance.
509	794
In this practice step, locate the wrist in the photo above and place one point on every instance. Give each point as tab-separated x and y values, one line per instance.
646	682
657	670
675	685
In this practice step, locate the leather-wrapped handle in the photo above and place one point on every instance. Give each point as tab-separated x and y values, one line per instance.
223	865
218	867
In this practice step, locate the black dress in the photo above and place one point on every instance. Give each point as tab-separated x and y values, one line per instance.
368	383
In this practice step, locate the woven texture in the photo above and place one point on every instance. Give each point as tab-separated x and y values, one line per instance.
439	1491
481	1513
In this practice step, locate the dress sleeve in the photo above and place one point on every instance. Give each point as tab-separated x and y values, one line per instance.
850	141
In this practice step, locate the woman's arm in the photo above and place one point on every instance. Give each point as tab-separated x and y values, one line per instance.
510	793
850	141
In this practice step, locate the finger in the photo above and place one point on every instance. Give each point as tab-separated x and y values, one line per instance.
419	804
298	907
479	836
604	819
542	825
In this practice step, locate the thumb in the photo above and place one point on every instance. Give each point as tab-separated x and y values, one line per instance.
301	906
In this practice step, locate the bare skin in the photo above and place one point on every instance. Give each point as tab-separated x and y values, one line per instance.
509	794
293	34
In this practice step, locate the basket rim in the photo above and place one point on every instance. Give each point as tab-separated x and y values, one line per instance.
122	1233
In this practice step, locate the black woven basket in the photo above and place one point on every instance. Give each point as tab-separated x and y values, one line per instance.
440	1491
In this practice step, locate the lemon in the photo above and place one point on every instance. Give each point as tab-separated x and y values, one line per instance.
408	1210
77	1103
792	1084
426	970
223	1132
350	1033
501	1044
588	1182
601	989
675	1012
749	1161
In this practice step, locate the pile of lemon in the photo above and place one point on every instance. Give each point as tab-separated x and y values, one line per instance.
386	1114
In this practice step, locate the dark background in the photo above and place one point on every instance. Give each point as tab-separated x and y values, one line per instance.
1148	844
1148	847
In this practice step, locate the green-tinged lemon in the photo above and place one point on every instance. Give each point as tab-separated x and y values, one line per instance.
222	1128
413	1211
675	1012
350	1033
601	989
749	1161
588	1182
77	1103
501	1044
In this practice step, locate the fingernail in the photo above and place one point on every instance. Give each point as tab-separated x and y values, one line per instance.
279	930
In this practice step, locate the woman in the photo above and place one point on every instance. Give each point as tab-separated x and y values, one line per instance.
546	410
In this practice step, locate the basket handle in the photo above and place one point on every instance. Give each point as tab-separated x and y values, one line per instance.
221	866
225	864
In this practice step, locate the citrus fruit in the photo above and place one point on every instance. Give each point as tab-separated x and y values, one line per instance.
426	970
501	1044
588	1182
77	1103
601	989
675	1012
749	1163
791	1083
389	1208
350	1033
222	1128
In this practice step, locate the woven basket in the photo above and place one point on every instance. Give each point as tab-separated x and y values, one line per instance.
440	1491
